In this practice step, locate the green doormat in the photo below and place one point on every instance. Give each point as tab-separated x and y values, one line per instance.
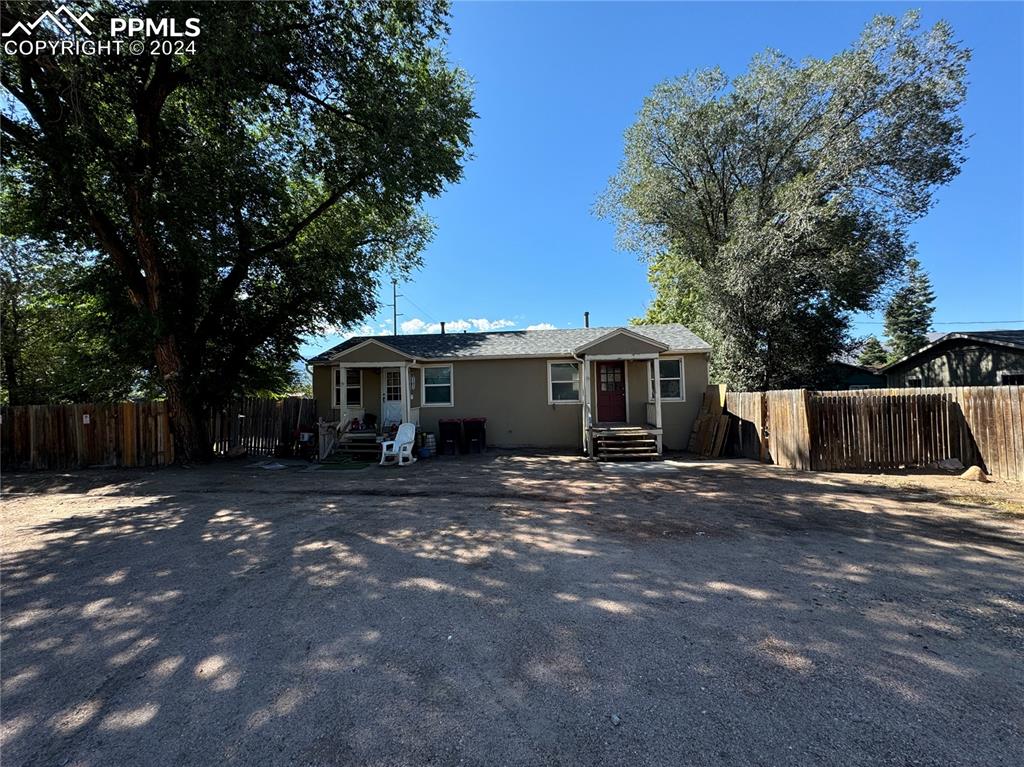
342	462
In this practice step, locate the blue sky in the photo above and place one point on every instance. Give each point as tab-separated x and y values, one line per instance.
557	84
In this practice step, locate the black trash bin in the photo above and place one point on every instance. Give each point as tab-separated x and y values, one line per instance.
475	434
450	436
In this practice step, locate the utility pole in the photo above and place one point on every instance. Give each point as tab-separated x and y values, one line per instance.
394	306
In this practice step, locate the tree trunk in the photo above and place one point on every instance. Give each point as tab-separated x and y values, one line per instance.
189	427
186	410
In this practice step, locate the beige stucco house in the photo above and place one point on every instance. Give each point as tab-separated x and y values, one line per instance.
536	388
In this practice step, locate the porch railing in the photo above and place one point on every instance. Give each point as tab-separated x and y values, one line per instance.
588	421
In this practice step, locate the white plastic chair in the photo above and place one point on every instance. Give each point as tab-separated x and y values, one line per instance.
399	449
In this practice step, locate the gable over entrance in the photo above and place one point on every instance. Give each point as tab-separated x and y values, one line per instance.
621	342
370	350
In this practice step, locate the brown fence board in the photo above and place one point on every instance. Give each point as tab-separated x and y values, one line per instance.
883	428
130	434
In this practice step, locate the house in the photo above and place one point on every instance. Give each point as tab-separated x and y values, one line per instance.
844	376
536	388
976	358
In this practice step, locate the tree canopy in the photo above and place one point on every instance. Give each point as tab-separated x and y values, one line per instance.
242	196
57	332
774	205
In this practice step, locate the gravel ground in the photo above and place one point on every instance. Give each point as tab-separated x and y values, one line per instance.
510	610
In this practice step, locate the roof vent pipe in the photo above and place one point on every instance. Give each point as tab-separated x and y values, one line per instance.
442	328
586	319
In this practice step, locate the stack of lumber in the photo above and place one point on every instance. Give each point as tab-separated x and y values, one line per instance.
711	426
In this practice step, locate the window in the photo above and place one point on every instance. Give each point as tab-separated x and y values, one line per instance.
393	385
1011	379
611	375
671	379
353	388
858	387
437	386
914	383
563	383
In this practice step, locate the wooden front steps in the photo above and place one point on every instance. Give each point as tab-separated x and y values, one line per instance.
621	444
360	446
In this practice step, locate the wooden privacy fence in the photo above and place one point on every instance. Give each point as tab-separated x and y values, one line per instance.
259	425
882	428
72	436
132	434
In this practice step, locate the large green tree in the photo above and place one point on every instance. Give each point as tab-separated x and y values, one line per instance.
908	315
243	194
66	338
774	205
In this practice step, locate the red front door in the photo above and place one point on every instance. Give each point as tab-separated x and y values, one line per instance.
611	392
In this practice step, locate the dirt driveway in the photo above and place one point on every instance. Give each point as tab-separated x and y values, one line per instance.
509	610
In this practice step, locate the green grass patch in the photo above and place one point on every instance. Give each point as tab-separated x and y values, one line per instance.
342	462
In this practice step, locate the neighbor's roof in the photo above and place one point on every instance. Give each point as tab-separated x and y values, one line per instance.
517	343
1013	339
845	362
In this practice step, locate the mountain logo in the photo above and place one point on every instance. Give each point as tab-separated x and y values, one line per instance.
63	19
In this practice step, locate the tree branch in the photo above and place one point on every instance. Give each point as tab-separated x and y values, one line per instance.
111	241
18	132
293	234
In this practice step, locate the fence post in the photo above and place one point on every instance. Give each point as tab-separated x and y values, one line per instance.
763	432
806	431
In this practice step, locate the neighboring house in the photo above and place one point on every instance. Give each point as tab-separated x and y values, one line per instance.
977	358
847	375
536	388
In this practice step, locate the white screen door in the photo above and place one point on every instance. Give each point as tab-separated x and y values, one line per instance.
391	397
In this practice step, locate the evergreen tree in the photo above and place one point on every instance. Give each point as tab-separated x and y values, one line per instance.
872	353
908	317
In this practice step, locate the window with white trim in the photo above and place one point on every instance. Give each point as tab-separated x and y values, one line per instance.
437	386
672	387
1007	378
353	388
393	386
563	383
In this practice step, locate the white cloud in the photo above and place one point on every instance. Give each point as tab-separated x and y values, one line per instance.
416	325
365	329
486	325
419	326
541	326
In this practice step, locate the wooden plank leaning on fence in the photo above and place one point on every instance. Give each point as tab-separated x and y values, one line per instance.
711	427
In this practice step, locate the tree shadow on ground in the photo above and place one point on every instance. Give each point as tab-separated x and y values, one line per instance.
502	610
